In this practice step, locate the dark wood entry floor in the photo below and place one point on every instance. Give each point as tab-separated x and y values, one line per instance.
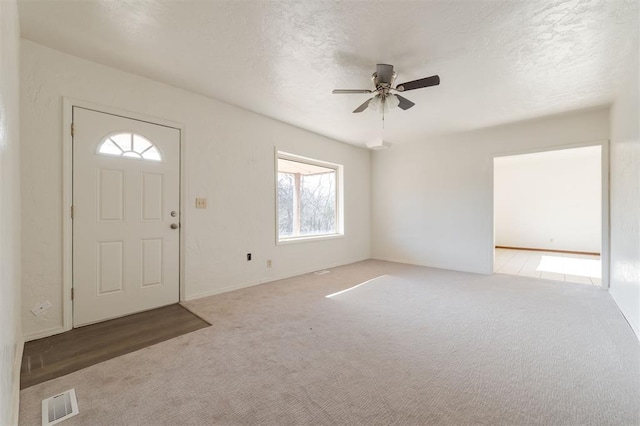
55	356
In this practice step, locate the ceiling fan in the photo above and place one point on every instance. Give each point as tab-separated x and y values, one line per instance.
383	80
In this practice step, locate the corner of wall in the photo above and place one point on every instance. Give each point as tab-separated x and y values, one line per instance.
11	341
624	268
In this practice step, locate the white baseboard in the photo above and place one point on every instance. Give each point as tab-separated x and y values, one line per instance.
44	333
627	316
239	286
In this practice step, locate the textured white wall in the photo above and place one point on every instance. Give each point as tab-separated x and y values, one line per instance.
549	200
625	196
10	332
229	160
432	202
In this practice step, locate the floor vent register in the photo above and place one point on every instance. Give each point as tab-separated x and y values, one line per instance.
59	407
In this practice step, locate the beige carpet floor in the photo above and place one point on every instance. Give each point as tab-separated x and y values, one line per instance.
411	346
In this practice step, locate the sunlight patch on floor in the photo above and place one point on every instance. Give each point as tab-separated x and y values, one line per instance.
329	296
570	266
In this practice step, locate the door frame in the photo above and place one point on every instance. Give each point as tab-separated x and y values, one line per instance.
67	194
604	206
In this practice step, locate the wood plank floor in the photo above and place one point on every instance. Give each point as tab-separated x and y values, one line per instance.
55	356
569	267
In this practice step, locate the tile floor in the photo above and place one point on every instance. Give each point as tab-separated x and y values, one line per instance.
574	268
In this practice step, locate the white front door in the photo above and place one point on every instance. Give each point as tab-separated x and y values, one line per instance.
126	215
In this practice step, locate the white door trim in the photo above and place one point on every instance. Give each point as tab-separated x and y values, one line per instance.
604	154
67	195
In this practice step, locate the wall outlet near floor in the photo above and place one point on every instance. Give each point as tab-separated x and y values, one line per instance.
41	308
248	257
201	203
269	263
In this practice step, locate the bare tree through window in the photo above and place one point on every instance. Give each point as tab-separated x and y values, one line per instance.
307	199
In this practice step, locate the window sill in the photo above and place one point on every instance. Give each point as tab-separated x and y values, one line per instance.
293	240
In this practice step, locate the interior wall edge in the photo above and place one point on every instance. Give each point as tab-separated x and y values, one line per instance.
11	341
625	313
624	213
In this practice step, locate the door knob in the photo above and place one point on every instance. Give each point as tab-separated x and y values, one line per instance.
174	226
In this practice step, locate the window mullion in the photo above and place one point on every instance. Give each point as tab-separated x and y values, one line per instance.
297	192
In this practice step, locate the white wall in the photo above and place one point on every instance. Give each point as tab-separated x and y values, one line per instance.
10	331
549	200
230	161
625	196
432	202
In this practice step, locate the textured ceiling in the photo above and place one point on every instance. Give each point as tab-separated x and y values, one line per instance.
499	61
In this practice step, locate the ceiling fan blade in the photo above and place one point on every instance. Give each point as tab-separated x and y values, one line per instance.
363	106
385	73
404	102
434	80
349	91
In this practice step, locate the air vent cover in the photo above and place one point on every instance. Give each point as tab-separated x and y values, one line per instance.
59	407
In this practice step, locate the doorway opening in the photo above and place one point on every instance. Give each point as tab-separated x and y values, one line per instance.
548	215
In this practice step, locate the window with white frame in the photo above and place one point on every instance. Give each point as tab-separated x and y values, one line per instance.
308	198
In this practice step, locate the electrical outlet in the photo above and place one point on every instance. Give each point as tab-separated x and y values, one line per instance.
201	203
41	308
269	263
248	257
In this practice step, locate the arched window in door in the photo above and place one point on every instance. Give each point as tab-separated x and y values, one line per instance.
129	145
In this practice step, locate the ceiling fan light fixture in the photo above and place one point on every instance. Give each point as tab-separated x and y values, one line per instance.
375	103
391	102
386	104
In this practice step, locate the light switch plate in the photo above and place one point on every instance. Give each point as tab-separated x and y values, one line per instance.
201	203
